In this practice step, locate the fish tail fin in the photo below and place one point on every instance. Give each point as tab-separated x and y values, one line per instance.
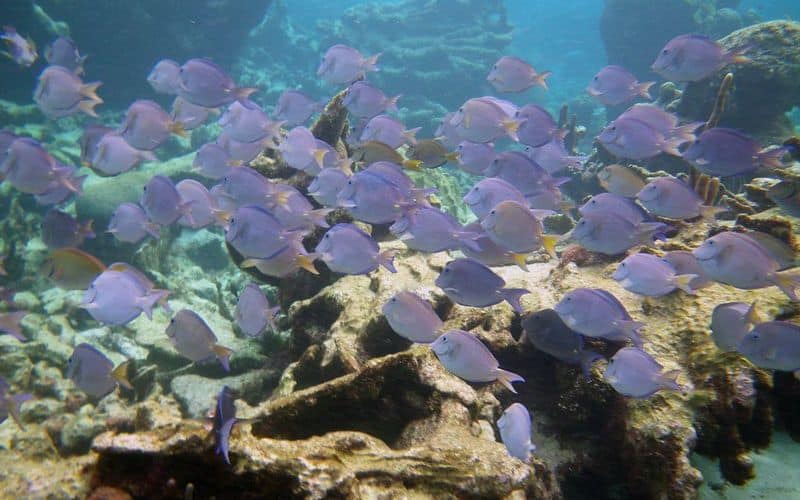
412	164
87	106
668	380
710	212
89	91
391	103
120	374
317	217
643	90
186	210
452	156
682	281
411	135
307	262
86	229
221	216
587	359
223	355
371	63
147	156
520	261
630	329
319	156
386	259
149	301
650	231
243	93
65	178
513	296
511	126
15	407
788	281
10	324
549	243
541	79
224	439
752	315
771	158
178	129
506	378
152	229
467	238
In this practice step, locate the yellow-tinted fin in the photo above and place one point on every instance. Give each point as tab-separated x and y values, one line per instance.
452	156
511	127
234	163
319	156
120	374
412	164
177	129
549	243
307	263
752	315
519	259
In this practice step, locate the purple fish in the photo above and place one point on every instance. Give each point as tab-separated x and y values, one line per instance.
331	158
245	121
193	339
61	93
724	152
242	152
60	229
428	229
463	355
327	185
245	186
212	161
295	108
165	77
372	198
730	322
548	333
634	373
58	191
92	134
113	155
774	345
685	263
474	158
147	125
203	210
609	202
691	58
447	133
299	150
129	223
286	262
389	131
117	298
514	226
654	116
342	65
483	119
553	156
224	419
537	126
515	431
634	139
204	83
365	100
488	252
615	85
188	115
161	201
294	211
470	283
647	275
595	312
64	52
93	373
512	74
347	249
255	232
10	404
10	323
523	173
6	138
487	193
672	198
30	168
620	180
20	50
612	234
412	317
254	312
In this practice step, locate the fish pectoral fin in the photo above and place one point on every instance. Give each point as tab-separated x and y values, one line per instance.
120	374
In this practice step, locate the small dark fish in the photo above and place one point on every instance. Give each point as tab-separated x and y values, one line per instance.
193	339
373	151
470	283
786	195
20	50
72	269
691	58
10	403
724	152
224	419
94	373
60	230
64	52
730	322
685	263
512	74
10	323
547	332
774	345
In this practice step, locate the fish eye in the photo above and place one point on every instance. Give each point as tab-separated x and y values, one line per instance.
493	212
327	235
172	321
710	242
613	127
595	78
756	336
461	109
665	51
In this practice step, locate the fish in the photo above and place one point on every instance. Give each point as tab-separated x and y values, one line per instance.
147	126
691	58
685	263
537	126
204	83
430	153
59	191
285	262
254	313
483	120
428	229
523	173
224	419
254	232
189	116
548	333
373	151
470	283
487	193
20	50
785	194
165	77
412	317
92	134
346	249
515	227
372	198
595	312
648	275
489	253
332	158
730	322
60	92
620	180
611	234
343	65
466	357
388	130
240	152
113	155
6	138
129	223
723	152
60	229
193	339
512	74
473	157
162	202
634	139
64	52
614	85
245	121
365	100
327	185
95	374
294	211
447	132
245	186
774	345
11	404
553	156
634	373
203	209
295	108
11	324
674	199
608	202
117	298
72	269
212	161
740	261
653	116
515	431
31	169
299	150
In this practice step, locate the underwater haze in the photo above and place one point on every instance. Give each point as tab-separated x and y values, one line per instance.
399	249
